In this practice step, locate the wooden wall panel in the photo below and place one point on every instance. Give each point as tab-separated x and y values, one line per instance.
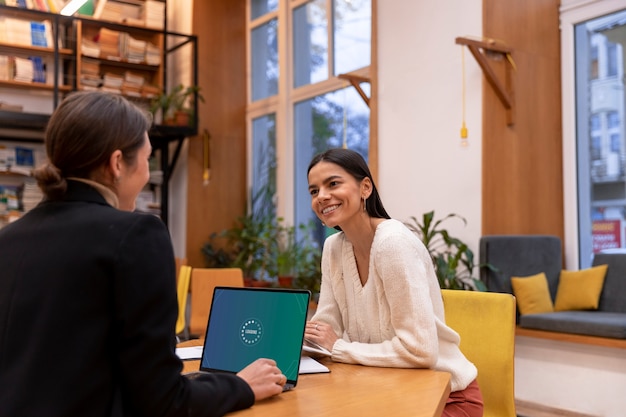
220	27
522	163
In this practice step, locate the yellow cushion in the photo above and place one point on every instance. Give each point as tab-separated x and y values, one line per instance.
532	294
580	290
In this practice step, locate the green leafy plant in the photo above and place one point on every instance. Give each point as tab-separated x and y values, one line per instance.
265	248
249	243
453	259
180	100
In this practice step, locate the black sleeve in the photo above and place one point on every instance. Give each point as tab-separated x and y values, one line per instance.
146	311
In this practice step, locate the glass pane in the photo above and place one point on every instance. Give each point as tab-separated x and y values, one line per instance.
352	34
264	47
310	43
260	7
600	103
328	121
263	158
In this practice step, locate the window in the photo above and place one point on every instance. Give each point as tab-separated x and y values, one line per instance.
298	105
601	185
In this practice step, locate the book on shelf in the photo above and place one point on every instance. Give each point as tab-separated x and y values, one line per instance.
5	68
23	70
153	14
41	5
39	69
38	34
4	106
109	41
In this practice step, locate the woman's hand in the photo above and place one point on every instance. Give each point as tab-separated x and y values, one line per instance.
264	378
320	333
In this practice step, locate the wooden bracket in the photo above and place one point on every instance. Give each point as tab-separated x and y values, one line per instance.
505	93
356	81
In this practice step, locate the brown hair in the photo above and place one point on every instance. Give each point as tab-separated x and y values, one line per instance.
356	166
82	134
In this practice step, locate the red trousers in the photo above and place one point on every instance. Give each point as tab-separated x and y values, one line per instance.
465	403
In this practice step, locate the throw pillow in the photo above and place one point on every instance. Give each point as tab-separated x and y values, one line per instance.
580	290
532	294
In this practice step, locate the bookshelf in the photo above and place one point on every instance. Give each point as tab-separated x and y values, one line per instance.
120	46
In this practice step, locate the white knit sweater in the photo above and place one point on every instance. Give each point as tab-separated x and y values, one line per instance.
397	318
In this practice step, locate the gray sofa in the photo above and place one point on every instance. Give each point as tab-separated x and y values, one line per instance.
524	255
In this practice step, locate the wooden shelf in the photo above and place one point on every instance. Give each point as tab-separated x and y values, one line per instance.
480	48
39	50
34	86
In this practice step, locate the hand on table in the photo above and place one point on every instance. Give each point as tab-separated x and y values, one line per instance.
264	378
320	333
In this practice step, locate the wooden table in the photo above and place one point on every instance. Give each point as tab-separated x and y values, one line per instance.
354	390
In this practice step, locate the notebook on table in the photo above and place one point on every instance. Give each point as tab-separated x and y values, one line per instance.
250	323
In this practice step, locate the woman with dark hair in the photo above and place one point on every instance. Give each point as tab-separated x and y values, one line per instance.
87	287
380	303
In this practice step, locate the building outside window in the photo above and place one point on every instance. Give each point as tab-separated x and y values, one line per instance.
297	103
600	102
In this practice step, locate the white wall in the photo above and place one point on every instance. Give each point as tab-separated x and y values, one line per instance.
570	376
422	165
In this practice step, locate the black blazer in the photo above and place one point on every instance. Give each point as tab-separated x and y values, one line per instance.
87	317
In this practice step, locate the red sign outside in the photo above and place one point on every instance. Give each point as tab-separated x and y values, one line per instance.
606	234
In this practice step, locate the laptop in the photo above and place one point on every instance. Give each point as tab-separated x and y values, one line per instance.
248	323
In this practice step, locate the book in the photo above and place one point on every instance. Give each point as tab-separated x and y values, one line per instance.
39	70
38	34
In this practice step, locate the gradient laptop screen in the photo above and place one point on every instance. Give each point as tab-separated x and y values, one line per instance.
250	323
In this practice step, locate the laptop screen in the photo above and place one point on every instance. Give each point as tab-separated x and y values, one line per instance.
250	323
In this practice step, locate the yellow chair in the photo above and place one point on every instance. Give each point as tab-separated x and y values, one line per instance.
179	262
486	323
203	281
182	291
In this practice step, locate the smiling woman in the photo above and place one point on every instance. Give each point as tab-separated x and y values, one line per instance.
377	268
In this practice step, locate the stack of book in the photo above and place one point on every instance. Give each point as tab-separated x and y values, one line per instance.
150	90
109	41
5	68
132	84
90	48
153	54
131	49
31	194
112	83
25	32
90	77
23	70
153	14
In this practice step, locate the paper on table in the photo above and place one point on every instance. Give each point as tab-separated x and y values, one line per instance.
192	352
309	365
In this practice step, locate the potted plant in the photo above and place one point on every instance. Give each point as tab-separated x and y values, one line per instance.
453	259
268	251
178	106
286	255
298	257
250	244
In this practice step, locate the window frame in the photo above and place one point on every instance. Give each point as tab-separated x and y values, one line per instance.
282	105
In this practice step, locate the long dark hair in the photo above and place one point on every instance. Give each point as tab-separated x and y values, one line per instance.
356	166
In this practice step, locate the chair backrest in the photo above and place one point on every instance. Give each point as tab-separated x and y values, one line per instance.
203	281
520	256
182	291
179	262
486	323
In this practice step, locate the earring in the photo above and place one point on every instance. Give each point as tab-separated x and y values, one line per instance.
364	205
323	224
